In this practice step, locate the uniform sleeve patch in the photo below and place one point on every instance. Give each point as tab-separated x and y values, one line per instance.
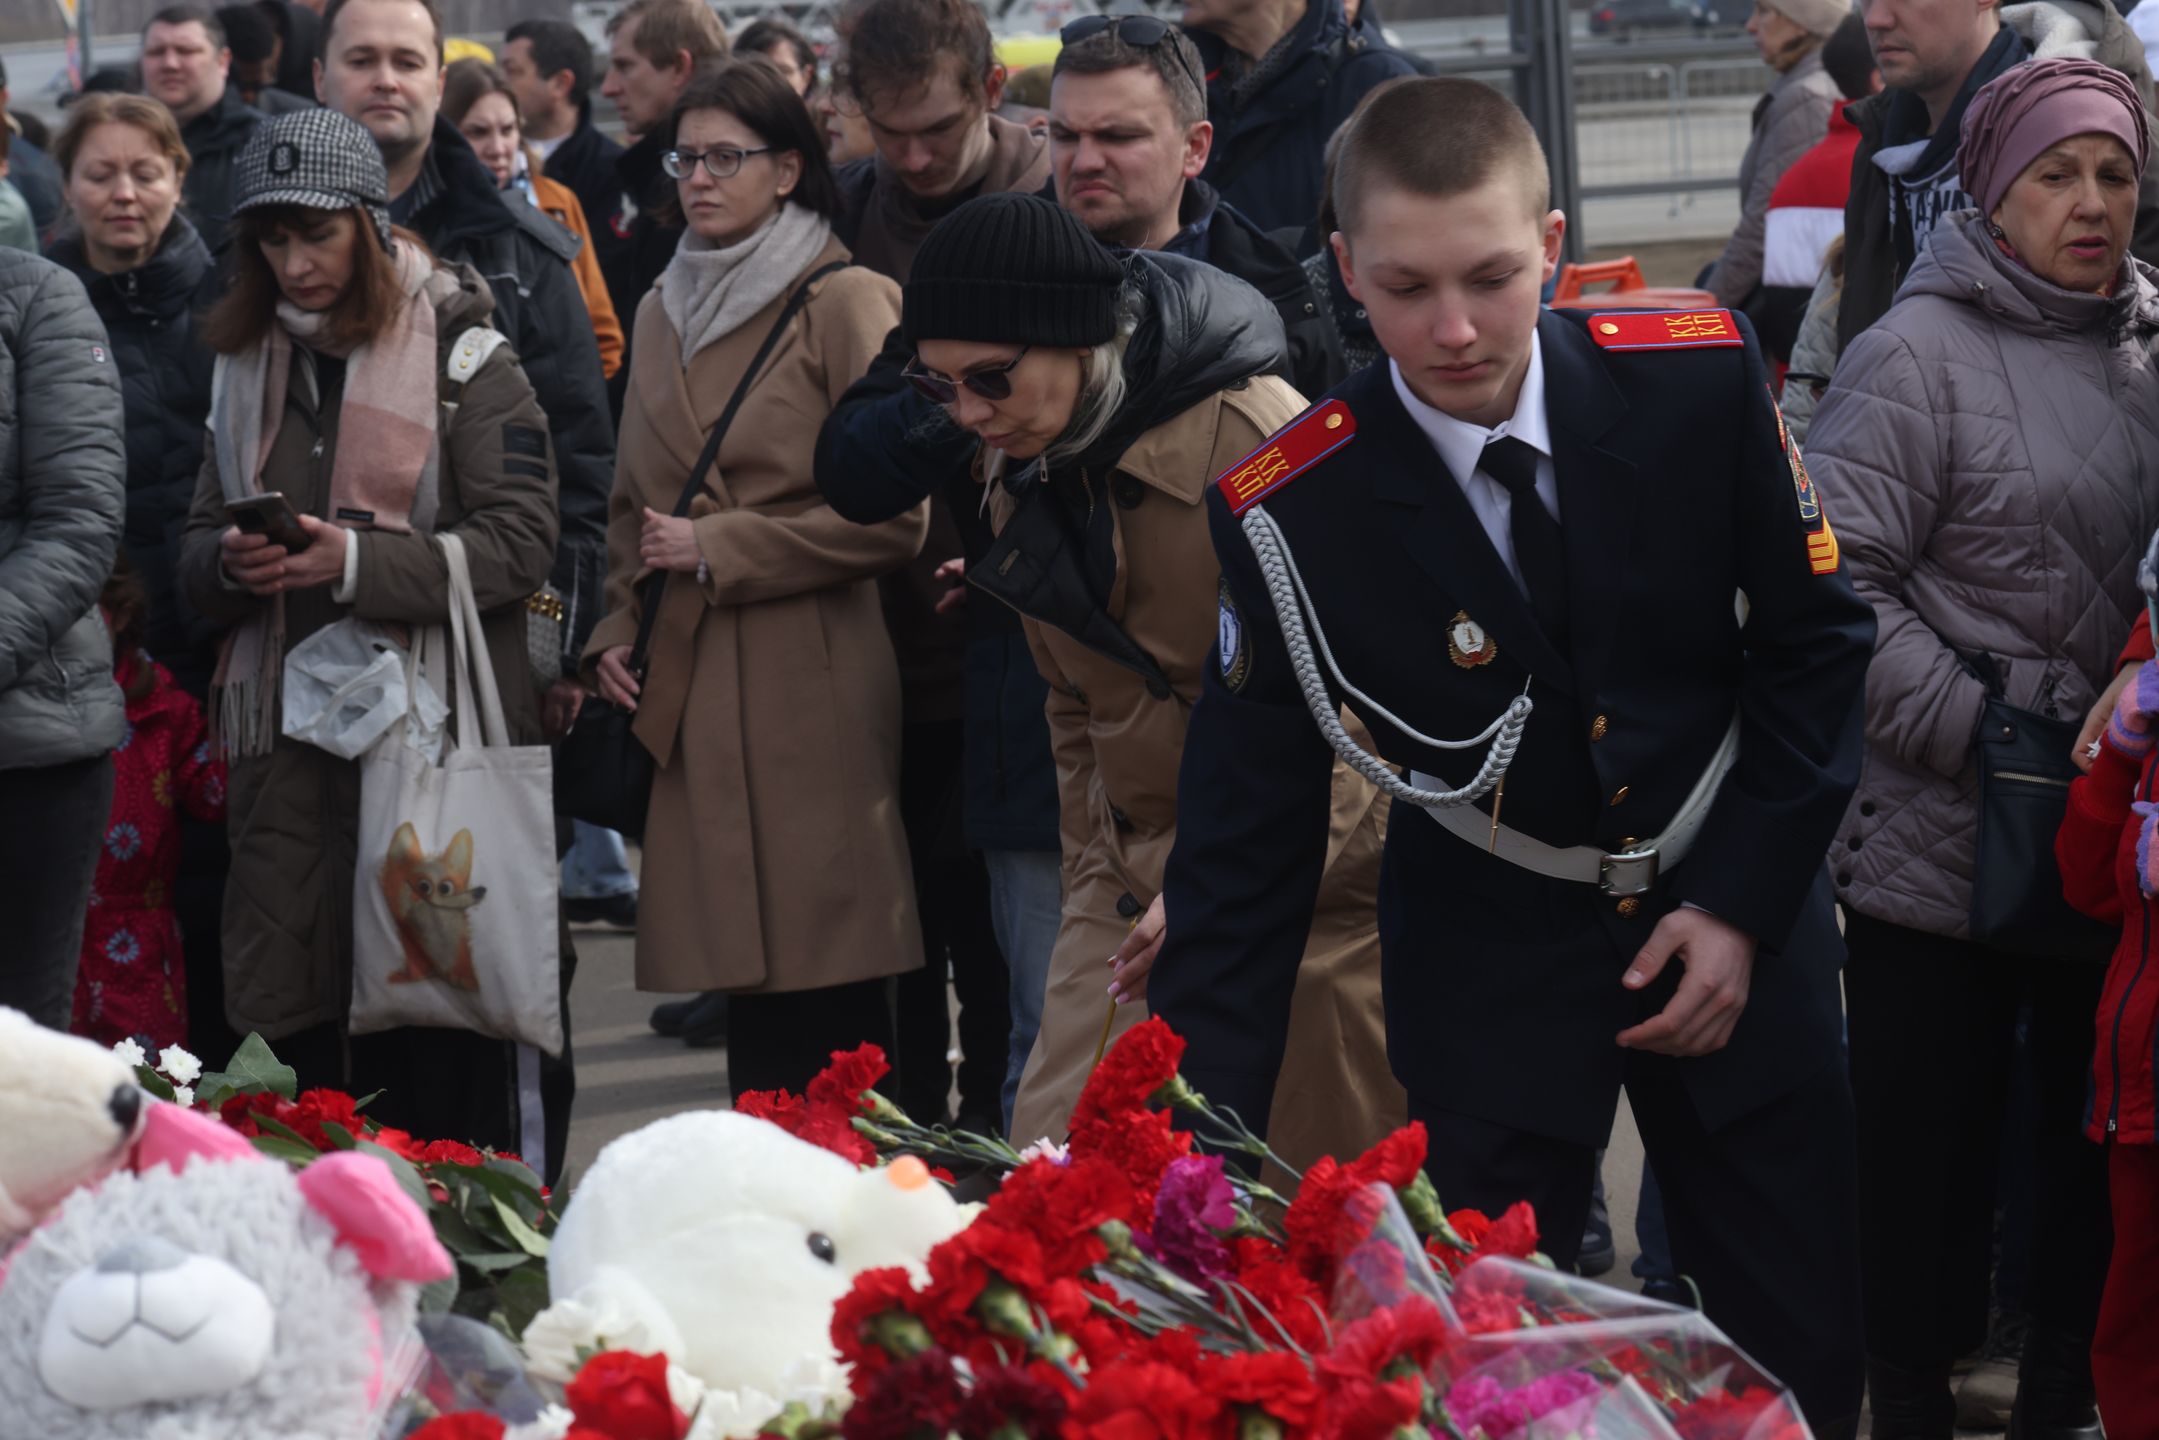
1823	552
1233	647
1288	453
1665	330
524	440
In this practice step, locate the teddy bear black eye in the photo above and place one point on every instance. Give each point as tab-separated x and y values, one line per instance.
821	1246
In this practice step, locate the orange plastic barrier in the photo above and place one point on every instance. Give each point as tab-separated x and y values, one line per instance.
1628	290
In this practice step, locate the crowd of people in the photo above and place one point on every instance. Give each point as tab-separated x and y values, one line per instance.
915	473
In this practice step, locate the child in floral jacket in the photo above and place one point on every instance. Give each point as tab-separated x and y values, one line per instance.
132	982
2108	850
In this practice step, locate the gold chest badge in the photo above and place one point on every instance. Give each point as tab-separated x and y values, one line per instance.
1467	644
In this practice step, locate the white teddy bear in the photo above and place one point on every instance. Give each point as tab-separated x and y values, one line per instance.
723	1241
69	1110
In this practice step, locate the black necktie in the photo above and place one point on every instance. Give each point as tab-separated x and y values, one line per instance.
1539	553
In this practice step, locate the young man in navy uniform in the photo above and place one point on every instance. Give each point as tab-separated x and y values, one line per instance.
1600	514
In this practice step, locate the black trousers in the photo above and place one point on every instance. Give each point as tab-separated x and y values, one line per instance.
1760	1212
52	824
959	943
780	1042
1932	1025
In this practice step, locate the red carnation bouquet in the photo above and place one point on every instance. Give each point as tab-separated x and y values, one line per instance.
1133	1286
1139	1284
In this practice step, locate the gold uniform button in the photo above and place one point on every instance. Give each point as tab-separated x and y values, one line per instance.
1629	908
1600	727
1609	328
1334	422
1620	794
1629	843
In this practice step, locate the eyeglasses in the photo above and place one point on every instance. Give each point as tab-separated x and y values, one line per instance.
1141	32
721	162
991	382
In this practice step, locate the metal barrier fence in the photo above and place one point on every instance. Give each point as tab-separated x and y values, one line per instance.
1660	122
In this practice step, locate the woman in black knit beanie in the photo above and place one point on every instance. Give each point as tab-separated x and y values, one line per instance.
1107	392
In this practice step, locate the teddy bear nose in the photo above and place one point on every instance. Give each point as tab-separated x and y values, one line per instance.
145	1255
125	1105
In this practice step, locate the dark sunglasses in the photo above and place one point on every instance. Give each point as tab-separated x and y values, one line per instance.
1141	32
991	382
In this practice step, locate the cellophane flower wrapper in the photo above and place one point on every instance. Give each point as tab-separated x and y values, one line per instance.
466	1366
1534	1353
1529	1331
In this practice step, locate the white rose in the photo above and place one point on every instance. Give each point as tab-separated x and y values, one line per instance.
131	1052
180	1067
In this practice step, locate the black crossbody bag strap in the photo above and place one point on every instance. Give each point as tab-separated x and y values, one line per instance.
656	586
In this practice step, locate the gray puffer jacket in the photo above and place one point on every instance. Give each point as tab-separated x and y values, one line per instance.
63	489
1989	456
1790	120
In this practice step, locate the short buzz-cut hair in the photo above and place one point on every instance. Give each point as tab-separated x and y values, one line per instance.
190	14
1174	60
1390	140
557	45
897	47
667	28
331	11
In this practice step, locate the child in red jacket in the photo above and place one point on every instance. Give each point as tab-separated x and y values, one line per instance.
132	983
2108	849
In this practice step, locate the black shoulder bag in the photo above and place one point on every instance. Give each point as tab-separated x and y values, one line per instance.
603	773
2024	775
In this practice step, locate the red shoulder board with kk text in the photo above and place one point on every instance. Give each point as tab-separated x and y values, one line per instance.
1288	453
1664	329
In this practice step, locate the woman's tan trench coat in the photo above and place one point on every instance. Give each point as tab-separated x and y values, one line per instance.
774	859
1117	750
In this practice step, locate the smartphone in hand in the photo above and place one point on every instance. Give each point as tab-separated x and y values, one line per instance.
269	514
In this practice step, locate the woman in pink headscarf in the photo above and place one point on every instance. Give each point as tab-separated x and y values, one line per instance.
1988	454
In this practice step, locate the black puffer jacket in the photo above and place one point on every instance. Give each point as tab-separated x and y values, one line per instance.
214	139
525	259
150	314
1213	230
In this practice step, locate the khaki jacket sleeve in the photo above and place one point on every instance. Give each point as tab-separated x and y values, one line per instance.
774	552
498	461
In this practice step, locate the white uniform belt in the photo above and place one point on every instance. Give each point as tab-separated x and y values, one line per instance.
1631	872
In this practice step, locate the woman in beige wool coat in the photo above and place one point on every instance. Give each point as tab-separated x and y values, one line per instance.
775	867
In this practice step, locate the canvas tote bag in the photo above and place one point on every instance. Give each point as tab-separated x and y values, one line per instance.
454	898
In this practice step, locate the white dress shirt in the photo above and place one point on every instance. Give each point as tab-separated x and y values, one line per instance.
1461	445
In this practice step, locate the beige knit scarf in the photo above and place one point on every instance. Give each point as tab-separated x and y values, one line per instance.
383	476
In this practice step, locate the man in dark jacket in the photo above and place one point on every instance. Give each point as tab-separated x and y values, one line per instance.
258	53
186	64
382	67
299	32
1933	60
656	46
1128	137
549	66
1284	75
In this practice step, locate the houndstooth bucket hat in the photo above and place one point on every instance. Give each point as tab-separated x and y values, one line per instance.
316	158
